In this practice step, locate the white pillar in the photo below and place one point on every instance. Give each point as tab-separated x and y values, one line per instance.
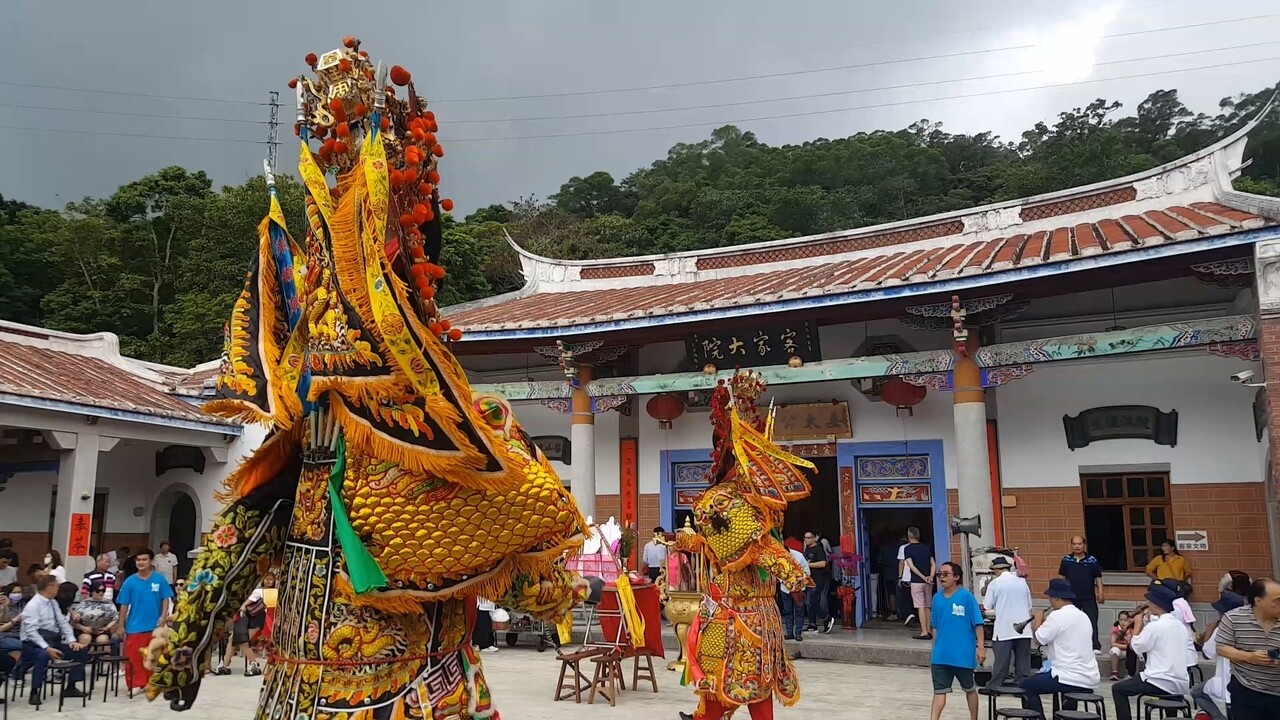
77	484
582	435
972	458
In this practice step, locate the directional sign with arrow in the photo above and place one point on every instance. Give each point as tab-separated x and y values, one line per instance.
1192	539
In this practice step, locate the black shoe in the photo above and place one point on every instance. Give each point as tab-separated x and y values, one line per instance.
922	637
73	692
685	716
831	623
799	638
35	698
787	637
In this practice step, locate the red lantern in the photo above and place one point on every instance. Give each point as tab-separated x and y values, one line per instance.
664	408
902	394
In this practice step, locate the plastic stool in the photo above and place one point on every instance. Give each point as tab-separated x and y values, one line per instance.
1168	703
1018	713
1076	715
111	683
997	692
60	672
1089	701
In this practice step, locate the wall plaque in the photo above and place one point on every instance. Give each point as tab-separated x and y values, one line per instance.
555	447
885	494
811	421
1121	422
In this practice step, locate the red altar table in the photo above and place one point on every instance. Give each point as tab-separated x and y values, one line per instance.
647	604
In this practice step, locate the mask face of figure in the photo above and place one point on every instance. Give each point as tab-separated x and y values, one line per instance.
728	522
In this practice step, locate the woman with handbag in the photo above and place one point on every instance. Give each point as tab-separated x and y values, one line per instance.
248	624
483	636
1171	569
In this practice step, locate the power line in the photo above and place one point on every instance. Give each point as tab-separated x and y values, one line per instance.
693	83
132	135
898	103
864	107
652	111
877	63
835	93
94	111
129	94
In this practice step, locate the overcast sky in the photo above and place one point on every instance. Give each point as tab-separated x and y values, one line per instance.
458	51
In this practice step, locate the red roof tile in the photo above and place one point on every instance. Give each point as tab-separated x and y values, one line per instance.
1104	236
41	373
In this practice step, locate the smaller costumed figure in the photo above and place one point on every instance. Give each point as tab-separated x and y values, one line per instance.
735	648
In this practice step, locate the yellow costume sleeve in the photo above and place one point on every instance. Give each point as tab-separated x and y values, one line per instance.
775	560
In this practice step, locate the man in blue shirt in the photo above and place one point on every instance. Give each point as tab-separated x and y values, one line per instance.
958	640
1085	575
144	605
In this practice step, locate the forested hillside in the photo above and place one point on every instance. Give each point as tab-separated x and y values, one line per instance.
160	260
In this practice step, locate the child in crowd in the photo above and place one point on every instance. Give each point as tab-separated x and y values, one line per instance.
1121	634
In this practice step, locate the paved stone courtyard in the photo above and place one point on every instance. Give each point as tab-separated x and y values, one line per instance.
523	679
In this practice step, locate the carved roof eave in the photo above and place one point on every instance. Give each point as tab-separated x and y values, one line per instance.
545	274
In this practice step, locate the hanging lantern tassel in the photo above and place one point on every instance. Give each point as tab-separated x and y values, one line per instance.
903	395
665	408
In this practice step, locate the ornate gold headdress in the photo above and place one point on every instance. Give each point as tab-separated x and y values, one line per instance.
740	436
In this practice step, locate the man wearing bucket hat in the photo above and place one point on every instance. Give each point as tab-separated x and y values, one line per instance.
1010	598
1209	693
1068	635
1164	641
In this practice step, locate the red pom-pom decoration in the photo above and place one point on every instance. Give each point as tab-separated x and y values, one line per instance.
297	129
445	324
293	83
340	147
406	221
359	110
436	329
455	334
430	116
426	189
400	76
311	59
384	124
436	271
418	253
420	213
428	292
344	65
429	139
408	176
395	178
433	177
437	150
447	205
349	41
344	130
335	104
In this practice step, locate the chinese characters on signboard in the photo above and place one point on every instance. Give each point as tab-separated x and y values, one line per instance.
871	494
81	529
1119	422
811	421
749	348
555	447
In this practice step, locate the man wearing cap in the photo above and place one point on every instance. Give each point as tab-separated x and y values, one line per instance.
1010	598
1164	641
1209	693
1065	633
1249	637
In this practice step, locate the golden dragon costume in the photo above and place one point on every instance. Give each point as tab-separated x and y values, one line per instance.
389	495
736	652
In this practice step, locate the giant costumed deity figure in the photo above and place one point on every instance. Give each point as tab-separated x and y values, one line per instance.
388	494
735	653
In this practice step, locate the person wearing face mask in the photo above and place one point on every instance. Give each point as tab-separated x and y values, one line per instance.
10	626
53	566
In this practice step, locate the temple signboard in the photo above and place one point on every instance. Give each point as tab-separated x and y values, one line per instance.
1121	422
767	345
555	447
811	421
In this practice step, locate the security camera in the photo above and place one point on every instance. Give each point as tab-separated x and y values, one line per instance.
1243	376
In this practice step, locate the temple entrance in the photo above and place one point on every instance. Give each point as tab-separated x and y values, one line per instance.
820	512
885	529
176	518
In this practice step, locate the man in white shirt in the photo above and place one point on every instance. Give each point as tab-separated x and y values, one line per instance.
1164	641
793	609
47	636
1067	634
166	564
1010	598
655	555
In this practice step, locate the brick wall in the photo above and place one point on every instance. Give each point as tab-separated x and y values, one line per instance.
32	546
1234	514
1269	344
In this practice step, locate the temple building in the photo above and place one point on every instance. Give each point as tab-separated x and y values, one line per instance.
1101	361
99	450
1091	361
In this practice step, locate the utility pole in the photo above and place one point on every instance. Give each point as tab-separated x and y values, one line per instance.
273	129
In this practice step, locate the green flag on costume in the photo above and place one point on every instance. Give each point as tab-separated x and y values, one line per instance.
363	569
